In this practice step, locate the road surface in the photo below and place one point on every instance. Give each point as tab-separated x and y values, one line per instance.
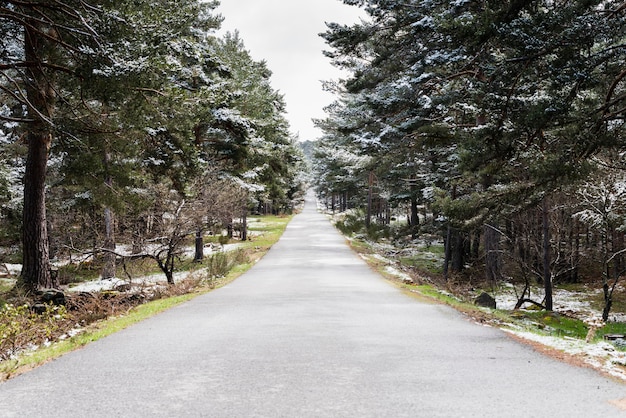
310	331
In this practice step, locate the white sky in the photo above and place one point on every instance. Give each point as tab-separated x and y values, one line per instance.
285	34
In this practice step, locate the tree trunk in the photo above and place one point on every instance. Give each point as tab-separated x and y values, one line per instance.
547	274
492	254
40	93
244	225
447	252
576	250
109	267
618	245
475	247
608	301
35	259
458	251
199	243
369	201
415	220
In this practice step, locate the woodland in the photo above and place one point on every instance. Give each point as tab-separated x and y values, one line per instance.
132	124
490	131
496	128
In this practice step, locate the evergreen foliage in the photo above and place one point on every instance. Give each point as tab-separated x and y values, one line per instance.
473	115
115	99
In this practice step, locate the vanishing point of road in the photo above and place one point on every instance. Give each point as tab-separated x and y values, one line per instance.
309	331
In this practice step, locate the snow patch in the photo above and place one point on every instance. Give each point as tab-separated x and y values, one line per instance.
600	355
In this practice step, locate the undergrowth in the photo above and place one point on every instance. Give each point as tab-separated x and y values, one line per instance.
21	327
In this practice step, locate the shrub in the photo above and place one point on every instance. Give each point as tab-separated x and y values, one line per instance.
220	263
352	223
20	327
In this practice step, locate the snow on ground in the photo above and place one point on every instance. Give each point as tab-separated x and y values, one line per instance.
574	304
13	269
600	355
139	282
153	279
110	284
395	272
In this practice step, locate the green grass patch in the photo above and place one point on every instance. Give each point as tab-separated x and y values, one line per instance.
547	323
551	323
612	328
265	231
426	264
433	292
427	259
361	247
596	300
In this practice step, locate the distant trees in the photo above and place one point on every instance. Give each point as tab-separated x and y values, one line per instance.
113	97
481	112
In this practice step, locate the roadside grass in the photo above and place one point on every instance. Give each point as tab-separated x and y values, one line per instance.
425	260
550	323
361	247
541	322
267	232
263	233
612	328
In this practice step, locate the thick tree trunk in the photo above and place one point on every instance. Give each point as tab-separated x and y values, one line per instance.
35	259
458	251
608	301
40	93
475	246
454	252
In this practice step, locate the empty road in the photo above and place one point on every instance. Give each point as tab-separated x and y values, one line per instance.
310	331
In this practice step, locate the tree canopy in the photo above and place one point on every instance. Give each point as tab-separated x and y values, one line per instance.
478	111
111	99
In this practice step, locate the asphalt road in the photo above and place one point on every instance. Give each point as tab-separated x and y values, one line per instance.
310	331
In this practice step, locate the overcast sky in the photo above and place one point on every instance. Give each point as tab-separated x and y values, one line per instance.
285	34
